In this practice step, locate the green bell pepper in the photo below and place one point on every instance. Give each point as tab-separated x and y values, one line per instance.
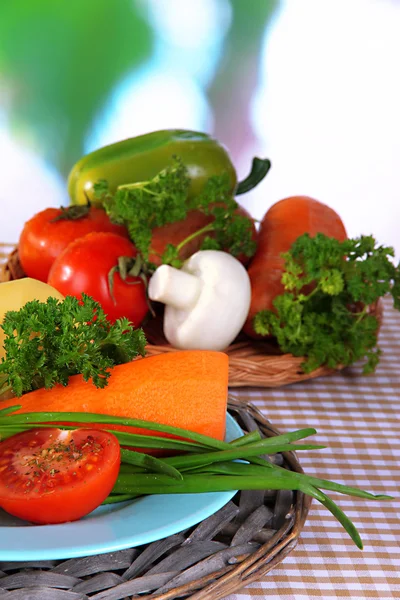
141	158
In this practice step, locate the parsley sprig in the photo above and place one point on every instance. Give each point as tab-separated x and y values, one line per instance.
47	342
142	206
324	313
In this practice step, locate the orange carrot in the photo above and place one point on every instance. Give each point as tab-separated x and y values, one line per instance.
185	389
283	223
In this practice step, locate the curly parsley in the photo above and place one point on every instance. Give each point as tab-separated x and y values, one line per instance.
47	342
165	199
323	314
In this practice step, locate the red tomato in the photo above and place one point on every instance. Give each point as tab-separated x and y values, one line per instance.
85	265
43	239
54	476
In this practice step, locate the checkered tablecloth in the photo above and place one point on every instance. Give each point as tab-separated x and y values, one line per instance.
357	417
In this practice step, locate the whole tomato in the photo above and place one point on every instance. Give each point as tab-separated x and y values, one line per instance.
95	264
50	231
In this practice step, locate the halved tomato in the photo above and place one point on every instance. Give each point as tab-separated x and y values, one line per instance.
53	476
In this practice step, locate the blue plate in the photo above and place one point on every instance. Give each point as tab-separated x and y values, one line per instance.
113	527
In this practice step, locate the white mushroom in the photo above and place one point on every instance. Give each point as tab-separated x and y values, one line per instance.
207	300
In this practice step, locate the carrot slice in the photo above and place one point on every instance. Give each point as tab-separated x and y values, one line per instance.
185	389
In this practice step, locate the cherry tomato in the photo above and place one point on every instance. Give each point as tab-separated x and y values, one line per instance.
50	231
54	476
85	266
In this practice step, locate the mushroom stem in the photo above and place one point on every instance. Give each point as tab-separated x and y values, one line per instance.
174	287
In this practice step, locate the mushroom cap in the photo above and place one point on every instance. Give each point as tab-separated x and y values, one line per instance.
221	308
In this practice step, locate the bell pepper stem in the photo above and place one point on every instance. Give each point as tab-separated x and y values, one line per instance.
259	169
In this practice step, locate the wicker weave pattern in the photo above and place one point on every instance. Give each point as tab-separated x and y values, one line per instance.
251	363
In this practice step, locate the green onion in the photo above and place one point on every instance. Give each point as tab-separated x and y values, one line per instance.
253	436
148	483
150	463
337	513
77	417
240	452
114	498
136	440
9	409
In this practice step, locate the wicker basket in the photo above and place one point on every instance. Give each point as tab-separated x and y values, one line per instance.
245	549
251	363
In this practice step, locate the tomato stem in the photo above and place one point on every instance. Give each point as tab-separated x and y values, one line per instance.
72	213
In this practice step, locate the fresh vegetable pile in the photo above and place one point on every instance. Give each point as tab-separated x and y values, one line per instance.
174	403
154	220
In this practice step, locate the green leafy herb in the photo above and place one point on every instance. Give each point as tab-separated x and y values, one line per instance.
324	312
47	342
231	231
144	205
165	199
171	256
208	465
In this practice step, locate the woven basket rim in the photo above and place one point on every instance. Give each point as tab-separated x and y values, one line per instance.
252	363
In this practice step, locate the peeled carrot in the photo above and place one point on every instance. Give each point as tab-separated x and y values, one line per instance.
185	389
283	223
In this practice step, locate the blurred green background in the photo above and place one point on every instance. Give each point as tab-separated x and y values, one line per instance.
310	84
63	59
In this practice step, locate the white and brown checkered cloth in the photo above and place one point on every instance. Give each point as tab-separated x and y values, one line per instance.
357	417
